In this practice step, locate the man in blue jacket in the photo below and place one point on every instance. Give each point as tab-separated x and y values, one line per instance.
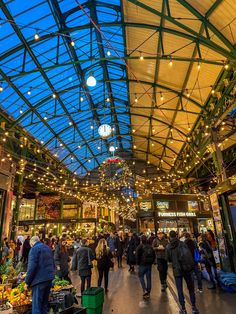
40	274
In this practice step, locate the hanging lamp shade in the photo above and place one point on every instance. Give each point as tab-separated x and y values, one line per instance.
91	81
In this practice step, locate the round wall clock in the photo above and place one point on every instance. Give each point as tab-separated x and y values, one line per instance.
104	130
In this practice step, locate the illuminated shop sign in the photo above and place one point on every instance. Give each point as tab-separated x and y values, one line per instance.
176	214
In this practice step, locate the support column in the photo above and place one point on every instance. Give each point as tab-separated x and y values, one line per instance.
35	210
218	158
61	212
15	218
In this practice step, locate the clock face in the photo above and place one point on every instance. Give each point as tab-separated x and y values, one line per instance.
104	130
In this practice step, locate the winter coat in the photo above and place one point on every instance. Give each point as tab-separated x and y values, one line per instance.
120	244
41	267
160	254
82	261
140	256
104	262
61	261
173	256
131	250
191	245
111	242
26	248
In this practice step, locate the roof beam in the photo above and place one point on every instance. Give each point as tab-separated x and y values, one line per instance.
198	38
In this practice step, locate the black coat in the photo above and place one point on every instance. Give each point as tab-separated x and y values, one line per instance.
82	261
191	245
61	259
104	262
131	250
119	244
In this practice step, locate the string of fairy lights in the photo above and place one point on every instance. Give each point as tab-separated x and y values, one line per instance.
91	82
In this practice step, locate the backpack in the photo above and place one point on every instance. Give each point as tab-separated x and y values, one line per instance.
148	255
197	255
185	258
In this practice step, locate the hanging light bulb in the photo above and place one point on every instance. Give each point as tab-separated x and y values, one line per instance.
226	66
81	98
199	66
170	62
21	110
187	93
36	36
72	43
162	98
1	88
108	99
54	96
29	91
141	56
91	81
136	98
108	53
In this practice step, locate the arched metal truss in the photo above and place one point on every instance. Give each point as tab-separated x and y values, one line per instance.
31	71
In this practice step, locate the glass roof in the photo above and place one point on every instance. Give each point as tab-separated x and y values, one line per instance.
44	79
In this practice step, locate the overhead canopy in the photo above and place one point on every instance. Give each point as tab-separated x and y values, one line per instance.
156	63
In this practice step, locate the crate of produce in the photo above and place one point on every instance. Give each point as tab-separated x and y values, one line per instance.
22	309
93	298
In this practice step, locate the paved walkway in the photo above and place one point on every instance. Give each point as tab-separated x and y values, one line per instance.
125	296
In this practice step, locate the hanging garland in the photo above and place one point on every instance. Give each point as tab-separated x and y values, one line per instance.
114	173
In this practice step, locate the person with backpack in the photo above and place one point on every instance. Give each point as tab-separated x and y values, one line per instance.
193	247
182	261
145	257
159	245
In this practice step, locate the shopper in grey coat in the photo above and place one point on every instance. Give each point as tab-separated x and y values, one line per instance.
82	261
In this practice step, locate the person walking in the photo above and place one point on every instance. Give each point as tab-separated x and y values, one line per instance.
159	245
192	245
104	262
62	259
82	262
40	274
120	243
183	265
145	257
131	250
111	242
18	249
26	250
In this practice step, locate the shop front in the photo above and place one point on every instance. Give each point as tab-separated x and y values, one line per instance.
182	212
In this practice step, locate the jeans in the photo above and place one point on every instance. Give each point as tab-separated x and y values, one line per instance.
83	280
40	295
145	271
162	267
198	275
102	272
188	277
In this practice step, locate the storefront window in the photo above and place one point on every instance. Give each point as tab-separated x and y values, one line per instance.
26	211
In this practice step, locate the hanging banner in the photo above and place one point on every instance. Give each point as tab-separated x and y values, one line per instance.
48	207
90	210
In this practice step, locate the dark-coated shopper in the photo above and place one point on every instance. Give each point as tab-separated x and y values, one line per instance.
131	247
145	257
40	274
61	258
104	262
82	261
183	265
192	245
159	245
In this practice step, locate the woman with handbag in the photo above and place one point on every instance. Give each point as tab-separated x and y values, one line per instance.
104	262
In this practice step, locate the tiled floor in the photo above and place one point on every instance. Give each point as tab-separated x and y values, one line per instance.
125	296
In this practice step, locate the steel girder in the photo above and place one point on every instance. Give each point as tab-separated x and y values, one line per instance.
27	47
